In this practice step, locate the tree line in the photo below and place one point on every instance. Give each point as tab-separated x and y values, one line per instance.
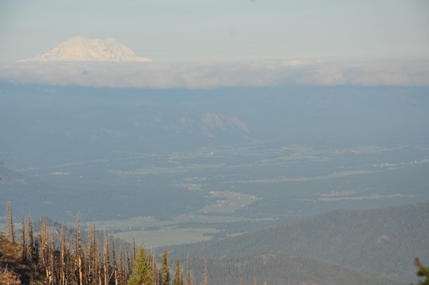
88	258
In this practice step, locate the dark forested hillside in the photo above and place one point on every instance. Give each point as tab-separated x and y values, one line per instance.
382	240
283	268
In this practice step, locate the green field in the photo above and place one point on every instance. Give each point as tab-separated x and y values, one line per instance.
302	179
168	236
228	202
156	233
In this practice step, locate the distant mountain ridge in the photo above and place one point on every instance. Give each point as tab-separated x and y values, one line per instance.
83	49
381	240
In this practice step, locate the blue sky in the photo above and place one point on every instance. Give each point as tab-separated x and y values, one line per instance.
222	30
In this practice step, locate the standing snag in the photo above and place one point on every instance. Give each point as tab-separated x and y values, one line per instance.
189	279
24	241
206	274
10	231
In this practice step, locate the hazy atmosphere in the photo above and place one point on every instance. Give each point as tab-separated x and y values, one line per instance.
192	30
214	142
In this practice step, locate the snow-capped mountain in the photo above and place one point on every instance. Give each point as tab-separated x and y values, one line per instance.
83	49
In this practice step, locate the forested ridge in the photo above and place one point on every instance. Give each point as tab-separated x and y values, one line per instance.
379	240
281	268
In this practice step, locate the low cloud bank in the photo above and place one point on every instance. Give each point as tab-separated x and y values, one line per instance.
208	75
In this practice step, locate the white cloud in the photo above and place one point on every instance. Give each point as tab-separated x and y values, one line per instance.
207	75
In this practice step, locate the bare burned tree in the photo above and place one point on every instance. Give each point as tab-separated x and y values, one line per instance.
79	252
206	274
24	241
153	264
31	250
189	278
1	163
106	257
74	259
62	259
115	266
10	231
44	248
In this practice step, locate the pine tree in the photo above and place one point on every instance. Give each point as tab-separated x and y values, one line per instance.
141	271
422	272
165	271
178	276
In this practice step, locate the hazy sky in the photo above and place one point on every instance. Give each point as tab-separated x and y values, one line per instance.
223	29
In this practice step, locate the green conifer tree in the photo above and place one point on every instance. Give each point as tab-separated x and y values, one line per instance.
178	275
165	271
141	271
422	272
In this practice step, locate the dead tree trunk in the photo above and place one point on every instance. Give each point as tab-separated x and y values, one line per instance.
79	253
106	257
24	241
31	250
10	231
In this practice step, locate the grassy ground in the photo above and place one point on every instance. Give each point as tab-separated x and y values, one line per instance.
228	202
161	233
302	179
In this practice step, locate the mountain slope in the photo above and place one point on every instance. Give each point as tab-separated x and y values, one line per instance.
271	268
380	240
282	268
82	49
12	270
